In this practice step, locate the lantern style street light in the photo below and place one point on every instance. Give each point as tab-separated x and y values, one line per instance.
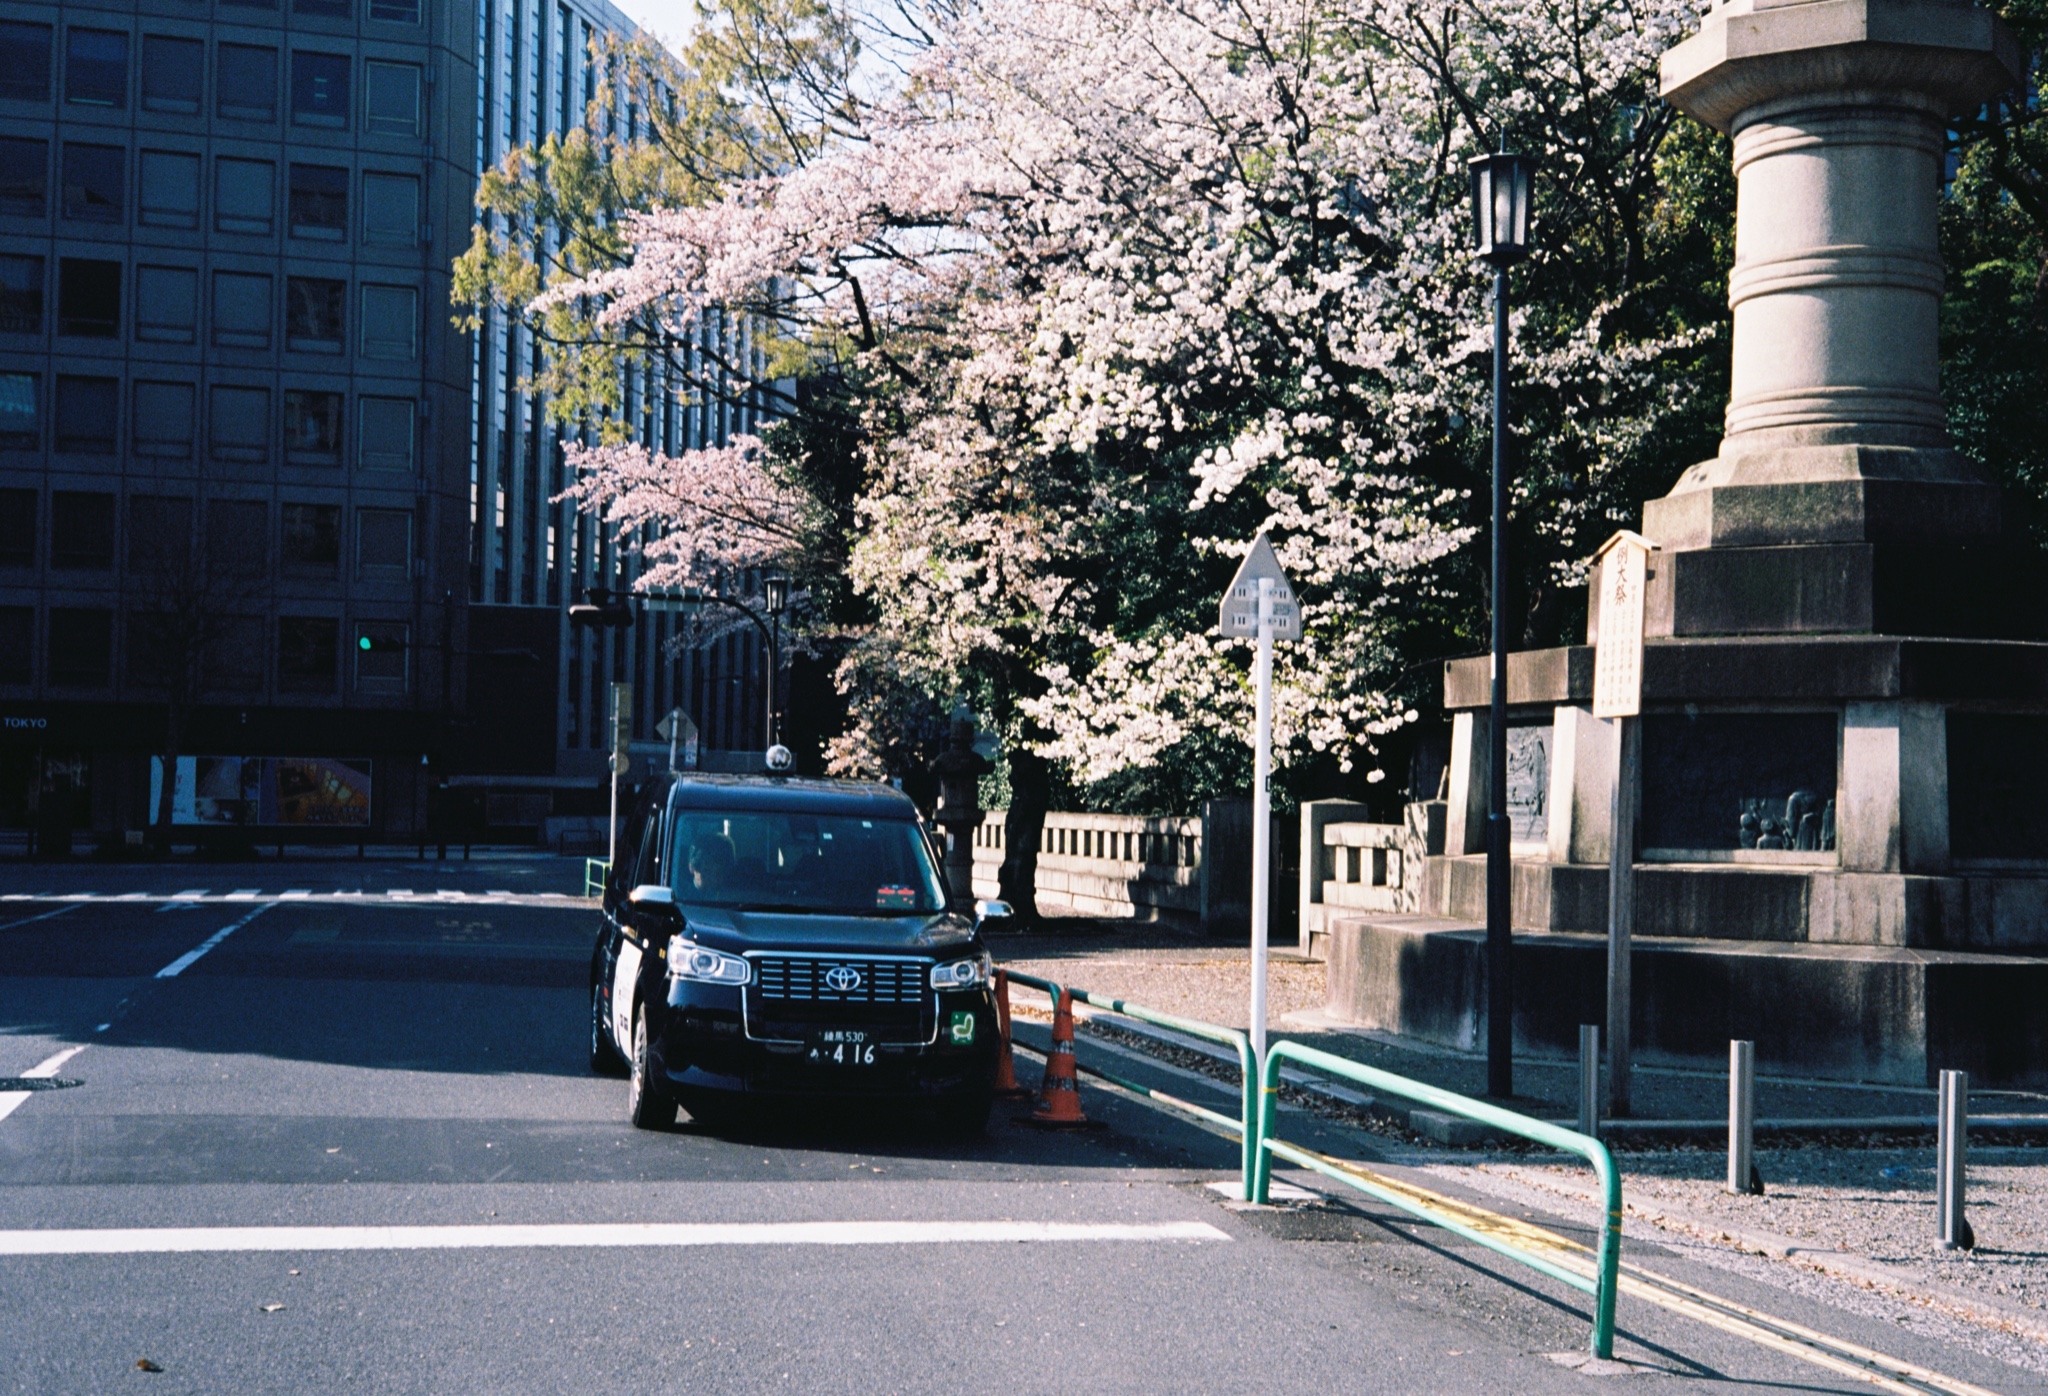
775	596
1500	237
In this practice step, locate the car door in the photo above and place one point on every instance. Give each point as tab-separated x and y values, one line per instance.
644	866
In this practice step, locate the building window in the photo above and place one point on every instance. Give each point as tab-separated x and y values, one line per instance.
164	420
237	537
390	323
320	89
245	83
383	545
81	646
88	298
18	528
21	295
238	423
167	193
311	540
82	530
173	71
88	415
24	62
391	210
93	180
381	652
312	313
391	98
234	662
312	427
20	424
159	535
306	648
24	177
96	68
244	196
332	9
396	11
167	304
241	310
252	4
384	433
17	644
319	202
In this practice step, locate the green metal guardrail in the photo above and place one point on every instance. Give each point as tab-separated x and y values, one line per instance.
1266	1146
1229	1037
595	872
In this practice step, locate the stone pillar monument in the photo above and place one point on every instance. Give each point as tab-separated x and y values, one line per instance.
960	769
1843	840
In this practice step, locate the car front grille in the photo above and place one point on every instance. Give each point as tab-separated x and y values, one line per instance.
780	980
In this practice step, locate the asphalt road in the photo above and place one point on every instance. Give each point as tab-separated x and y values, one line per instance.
347	1058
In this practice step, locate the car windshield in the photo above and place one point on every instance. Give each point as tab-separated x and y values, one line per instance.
803	862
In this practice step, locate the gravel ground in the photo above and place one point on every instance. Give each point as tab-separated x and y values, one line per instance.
1213	985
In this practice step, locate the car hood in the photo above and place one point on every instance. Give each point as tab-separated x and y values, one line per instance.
940	935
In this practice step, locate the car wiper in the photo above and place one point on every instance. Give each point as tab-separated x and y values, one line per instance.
785	908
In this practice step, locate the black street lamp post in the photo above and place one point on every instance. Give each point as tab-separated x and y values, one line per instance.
1500	231
776	597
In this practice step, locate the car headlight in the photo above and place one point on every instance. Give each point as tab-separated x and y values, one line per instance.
970	973
703	965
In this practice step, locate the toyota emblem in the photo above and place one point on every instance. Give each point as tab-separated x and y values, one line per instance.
842	979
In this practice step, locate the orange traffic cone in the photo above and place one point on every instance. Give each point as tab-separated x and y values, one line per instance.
1006	1067
1059	1099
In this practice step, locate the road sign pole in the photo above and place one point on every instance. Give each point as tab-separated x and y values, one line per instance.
622	739
1622	576
1262	815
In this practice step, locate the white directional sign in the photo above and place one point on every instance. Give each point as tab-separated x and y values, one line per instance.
1239	613
1618	654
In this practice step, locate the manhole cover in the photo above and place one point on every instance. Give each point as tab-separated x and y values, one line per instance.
36	1083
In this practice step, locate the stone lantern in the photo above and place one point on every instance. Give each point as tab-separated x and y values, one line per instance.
960	769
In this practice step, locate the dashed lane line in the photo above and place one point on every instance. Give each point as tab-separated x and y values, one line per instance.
44	917
192	956
185	1240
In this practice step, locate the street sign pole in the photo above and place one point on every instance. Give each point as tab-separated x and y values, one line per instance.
622	739
1623	563
1262	813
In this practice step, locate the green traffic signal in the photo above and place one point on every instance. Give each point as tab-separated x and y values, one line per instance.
364	642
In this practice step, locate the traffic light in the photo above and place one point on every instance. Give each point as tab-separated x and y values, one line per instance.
602	607
370	643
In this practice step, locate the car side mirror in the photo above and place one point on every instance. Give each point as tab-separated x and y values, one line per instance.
990	910
652	896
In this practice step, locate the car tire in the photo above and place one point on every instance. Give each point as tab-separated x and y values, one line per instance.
604	1057
648	1103
966	1117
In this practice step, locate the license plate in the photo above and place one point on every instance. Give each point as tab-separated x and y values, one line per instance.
842	1047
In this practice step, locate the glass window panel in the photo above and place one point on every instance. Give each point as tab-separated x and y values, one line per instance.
159	533
88	414
329	9
391	209
81	646
21	294
382	650
391	98
320	89
312	427
18	528
234	661
167	304
245	83
384	433
319	202
168	192
396	11
306	653
244	195
172	73
81	530
94	176
20	422
237	537
96	67
241	310
88	298
24	177
390	321
311	539
17	644
238	423
24	61
164	423
383	544
313	314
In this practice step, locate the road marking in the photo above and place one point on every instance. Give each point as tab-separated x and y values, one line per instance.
10	1101
186	960
243	894
295	894
44	917
176	1240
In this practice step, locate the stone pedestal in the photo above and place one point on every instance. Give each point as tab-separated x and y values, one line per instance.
1843	842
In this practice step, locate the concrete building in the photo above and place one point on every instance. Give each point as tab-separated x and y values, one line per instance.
252	481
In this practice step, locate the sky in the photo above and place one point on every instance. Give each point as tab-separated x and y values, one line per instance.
669	20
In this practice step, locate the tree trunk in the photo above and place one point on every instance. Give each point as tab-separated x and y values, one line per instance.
166	798
1023	824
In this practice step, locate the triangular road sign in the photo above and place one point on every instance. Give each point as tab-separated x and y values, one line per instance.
1239	612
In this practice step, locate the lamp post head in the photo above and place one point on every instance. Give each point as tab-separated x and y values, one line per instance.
776	588
1500	207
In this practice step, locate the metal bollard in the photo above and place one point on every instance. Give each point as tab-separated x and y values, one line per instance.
1589	1079
1743	1178
1952	1140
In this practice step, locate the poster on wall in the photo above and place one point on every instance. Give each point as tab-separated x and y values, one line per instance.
290	792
